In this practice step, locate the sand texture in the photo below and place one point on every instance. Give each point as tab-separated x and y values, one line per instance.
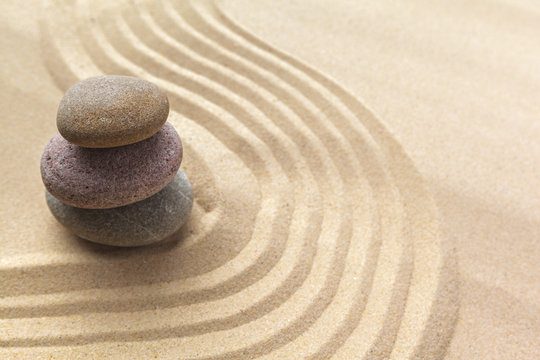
319	230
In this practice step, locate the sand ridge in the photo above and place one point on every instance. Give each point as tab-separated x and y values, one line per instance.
312	234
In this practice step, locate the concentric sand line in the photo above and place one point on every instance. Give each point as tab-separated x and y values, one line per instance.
279	293
341	257
236	282
444	307
438	330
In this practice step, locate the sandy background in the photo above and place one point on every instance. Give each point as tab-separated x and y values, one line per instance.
320	229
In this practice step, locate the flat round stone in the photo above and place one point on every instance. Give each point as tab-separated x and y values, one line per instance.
107	178
108	111
141	223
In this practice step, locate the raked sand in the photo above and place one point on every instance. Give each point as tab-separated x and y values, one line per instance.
365	175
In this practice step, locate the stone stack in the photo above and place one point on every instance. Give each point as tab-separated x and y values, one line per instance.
112	173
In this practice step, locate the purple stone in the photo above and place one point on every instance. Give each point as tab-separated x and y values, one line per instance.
95	178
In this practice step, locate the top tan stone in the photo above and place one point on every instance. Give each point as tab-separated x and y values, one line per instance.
110	111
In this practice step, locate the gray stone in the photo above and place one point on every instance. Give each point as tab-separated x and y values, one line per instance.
140	223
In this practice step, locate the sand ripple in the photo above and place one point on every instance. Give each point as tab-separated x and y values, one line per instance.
312	235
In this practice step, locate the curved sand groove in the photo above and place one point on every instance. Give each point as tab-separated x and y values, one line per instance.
279	293
372	257
63	270
443	310
120	261
179	273
450	312
257	161
450	298
235	142
238	281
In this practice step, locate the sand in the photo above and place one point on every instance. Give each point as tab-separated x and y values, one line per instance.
366	182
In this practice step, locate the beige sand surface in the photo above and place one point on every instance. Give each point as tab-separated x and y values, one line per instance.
320	230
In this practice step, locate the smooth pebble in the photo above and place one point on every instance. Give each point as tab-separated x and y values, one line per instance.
108	111
107	178
141	223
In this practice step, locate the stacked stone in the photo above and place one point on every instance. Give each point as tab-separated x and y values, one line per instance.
113	173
